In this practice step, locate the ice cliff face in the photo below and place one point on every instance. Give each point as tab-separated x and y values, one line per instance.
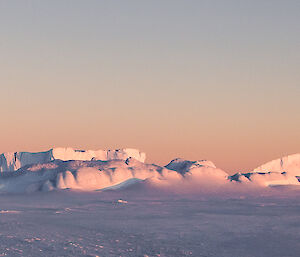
14	161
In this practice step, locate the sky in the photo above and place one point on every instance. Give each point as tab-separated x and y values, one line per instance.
215	80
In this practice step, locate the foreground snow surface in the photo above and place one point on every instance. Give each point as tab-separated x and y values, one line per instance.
133	223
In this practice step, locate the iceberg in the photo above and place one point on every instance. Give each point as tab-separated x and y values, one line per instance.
14	161
290	164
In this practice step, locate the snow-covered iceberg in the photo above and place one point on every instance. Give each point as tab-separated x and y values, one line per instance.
282	171
289	164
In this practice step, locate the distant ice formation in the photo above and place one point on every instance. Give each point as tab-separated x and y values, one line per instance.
65	168
289	164
15	161
282	171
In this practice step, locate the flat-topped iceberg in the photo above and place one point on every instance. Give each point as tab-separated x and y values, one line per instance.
13	161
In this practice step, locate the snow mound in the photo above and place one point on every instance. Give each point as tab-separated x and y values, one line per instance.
17	160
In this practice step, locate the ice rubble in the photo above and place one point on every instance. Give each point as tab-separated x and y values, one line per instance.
14	161
115	172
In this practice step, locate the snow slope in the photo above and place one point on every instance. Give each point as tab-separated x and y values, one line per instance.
14	161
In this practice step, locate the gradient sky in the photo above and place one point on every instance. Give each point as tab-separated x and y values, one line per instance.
216	80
